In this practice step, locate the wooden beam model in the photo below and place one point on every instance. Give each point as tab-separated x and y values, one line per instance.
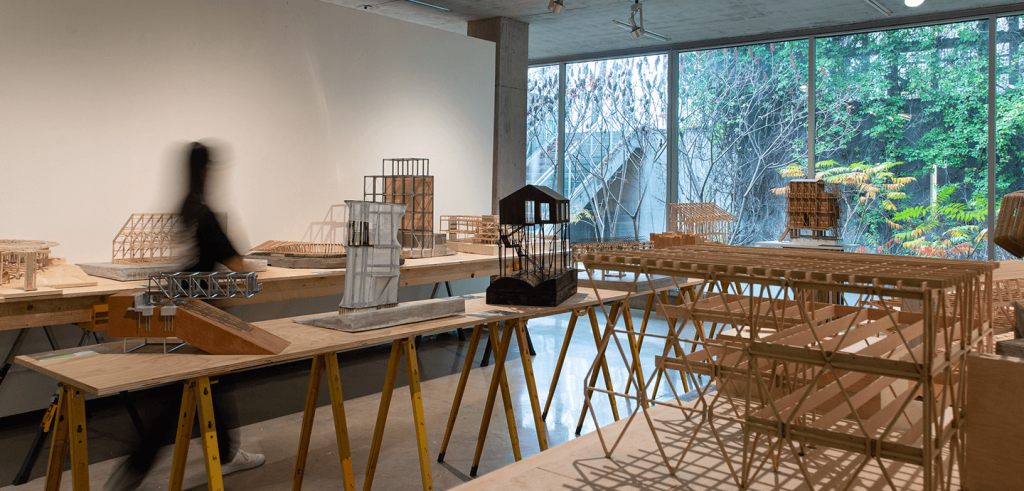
674	239
300	249
149	238
587	246
813	350
706	220
476	234
1009	233
22	259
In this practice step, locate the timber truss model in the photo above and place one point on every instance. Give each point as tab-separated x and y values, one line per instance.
706	220
21	259
172	307
149	238
809	356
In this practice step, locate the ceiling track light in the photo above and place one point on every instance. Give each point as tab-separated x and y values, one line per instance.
425	4
636	23
881	8
556	6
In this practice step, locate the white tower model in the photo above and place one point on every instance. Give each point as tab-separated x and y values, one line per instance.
374	255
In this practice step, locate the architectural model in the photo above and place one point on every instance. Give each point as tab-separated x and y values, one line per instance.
706	220
536	261
799	375
172	307
673	239
408	181
22	259
149	238
1009	233
812	209
476	234
374	253
322	247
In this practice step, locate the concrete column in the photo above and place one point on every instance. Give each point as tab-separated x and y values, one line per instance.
512	56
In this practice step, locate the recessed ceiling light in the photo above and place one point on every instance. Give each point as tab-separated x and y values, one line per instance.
913	3
365	7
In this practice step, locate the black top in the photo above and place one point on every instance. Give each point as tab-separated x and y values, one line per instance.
212	244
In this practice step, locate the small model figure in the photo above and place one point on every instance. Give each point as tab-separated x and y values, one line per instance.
374	255
535	257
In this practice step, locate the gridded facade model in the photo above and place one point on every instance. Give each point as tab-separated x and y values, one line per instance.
536	262
1010	224
17	256
812	209
800	376
706	220
149	238
374	255
407	181
472	229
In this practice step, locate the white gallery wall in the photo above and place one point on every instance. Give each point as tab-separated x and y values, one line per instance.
98	98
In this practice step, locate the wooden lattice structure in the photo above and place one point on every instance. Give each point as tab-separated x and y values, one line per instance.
472	229
588	246
799	375
706	220
1009	232
673	239
17	256
149	238
407	181
812	210
300	249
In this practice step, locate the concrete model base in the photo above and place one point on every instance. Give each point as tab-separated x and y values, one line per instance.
127	272
405	313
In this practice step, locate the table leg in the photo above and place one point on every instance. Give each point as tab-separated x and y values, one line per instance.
474	341
59	444
499	367
506	398
382	413
15	348
531	385
558	366
647	317
71	431
612	317
309	413
186	419
412	367
208	434
330	362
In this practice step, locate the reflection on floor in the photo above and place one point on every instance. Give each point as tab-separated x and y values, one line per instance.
269	404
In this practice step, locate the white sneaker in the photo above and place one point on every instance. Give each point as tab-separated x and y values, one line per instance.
243	461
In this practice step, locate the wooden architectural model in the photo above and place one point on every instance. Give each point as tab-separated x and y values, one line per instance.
22	259
812	210
148	238
374	255
799	374
1009	233
172	307
476	234
536	266
293	248
408	181
586	246
706	220
673	239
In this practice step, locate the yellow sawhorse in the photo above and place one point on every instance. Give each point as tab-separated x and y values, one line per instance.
68	431
325	362
499	381
398	347
196	400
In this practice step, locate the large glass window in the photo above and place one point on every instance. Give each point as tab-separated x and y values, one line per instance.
615	139
902	129
542	126
1009	110
742	125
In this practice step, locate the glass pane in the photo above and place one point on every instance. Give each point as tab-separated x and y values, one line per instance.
615	138
742	132
542	126
1009	111
902	121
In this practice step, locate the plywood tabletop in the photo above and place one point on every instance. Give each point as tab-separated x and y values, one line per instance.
106	369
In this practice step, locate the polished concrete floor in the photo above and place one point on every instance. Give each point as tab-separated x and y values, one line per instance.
267	405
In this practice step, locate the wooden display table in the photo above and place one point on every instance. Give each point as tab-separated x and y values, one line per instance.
106	369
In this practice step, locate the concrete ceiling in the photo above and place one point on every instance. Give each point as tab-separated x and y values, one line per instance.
585	26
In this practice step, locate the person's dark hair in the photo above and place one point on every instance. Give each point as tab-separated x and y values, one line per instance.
198	163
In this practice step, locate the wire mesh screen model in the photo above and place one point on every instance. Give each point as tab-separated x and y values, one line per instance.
859	358
374	255
706	220
536	260
149	238
812	208
407	181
